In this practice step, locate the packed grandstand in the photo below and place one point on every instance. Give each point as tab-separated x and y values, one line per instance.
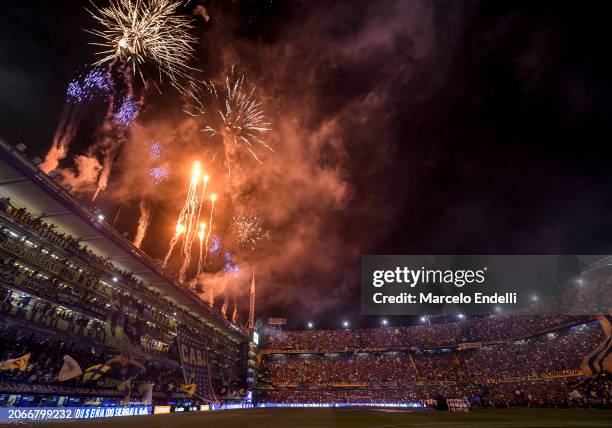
60	299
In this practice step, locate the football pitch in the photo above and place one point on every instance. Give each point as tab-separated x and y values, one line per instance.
370	418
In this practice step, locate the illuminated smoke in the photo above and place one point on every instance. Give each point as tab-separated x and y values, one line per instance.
201	10
80	90
112	137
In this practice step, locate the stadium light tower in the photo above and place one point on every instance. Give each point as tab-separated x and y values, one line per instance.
384	322
100	217
345	324
310	324
498	309
461	316
534	298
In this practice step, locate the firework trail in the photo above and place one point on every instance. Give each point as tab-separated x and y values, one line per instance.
180	226
193	216
237	117
213	198
179	229
210	296
189	225
143	223
113	132
193	222
135	32
235	313
224	307
201	233
79	91
247	229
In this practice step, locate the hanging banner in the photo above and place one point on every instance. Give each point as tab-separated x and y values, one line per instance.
194	360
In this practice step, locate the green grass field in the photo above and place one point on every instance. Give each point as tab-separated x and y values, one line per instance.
321	418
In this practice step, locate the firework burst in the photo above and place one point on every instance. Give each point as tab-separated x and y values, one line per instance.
236	116
247	229
137	31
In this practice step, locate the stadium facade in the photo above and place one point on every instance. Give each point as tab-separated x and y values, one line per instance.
72	285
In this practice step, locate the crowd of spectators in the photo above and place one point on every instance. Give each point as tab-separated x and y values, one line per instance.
147	312
478	329
409	375
47	357
74	249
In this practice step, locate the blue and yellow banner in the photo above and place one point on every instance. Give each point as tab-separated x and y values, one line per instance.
194	360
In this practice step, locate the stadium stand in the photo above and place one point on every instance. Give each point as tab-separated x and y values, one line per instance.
60	298
498	360
541	367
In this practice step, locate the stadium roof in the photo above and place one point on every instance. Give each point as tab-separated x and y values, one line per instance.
29	187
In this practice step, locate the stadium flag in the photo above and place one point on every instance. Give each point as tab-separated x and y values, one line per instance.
95	372
146	391
194	361
16	363
600	359
70	369
190	389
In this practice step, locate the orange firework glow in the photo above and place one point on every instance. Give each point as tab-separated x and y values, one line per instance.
189	225
213	198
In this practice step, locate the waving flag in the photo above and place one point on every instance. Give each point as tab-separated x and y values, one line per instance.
600	359
16	363
194	362
95	372
70	369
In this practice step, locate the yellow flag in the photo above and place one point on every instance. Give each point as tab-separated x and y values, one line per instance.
16	363
189	389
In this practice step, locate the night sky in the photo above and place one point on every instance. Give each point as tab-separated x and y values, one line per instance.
428	127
